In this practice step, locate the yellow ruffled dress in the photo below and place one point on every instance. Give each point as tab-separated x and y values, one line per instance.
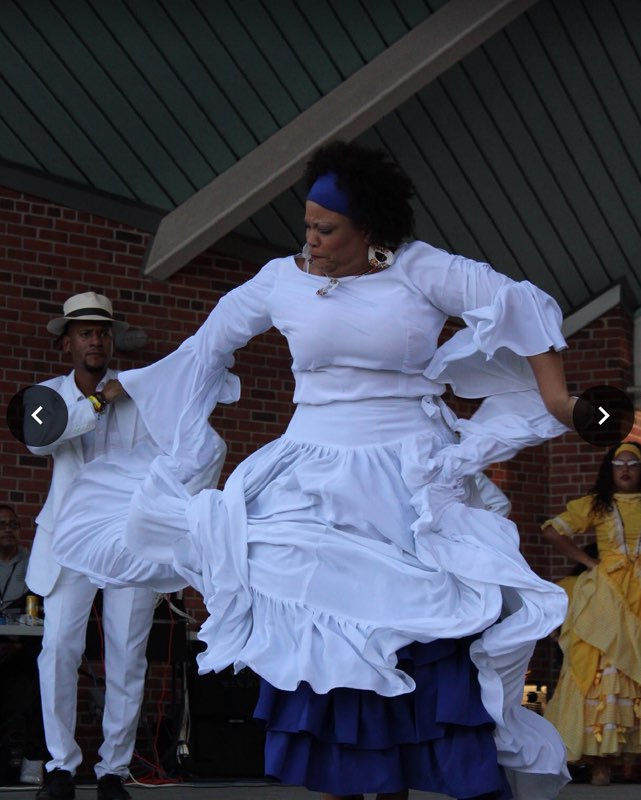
596	706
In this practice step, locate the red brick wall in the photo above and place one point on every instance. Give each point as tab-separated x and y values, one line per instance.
48	253
601	353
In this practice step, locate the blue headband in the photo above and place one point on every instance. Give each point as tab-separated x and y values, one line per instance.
327	193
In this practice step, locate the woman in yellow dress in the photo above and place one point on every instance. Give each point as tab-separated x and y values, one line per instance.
597	703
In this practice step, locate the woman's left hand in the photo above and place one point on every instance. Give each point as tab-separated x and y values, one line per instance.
563	409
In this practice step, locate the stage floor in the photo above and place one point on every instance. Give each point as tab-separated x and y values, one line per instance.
255	790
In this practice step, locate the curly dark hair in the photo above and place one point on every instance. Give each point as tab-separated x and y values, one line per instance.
375	185
604	488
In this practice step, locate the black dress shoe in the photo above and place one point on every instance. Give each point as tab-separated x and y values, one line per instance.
110	787
57	785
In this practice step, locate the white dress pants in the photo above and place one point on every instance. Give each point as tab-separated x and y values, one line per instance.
126	618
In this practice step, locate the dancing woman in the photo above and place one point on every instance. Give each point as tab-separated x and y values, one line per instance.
350	562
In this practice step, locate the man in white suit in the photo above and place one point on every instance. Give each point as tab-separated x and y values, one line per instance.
101	420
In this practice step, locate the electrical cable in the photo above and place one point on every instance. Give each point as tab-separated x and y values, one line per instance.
157	775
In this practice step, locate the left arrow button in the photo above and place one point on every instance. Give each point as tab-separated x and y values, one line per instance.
37	415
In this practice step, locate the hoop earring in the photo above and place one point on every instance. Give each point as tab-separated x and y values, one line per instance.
379	257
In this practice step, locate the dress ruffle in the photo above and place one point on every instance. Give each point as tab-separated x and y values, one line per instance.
349	741
539	325
95	543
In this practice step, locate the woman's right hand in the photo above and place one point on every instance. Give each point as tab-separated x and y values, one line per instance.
112	390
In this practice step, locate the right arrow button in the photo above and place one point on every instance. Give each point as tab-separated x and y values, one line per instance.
603	416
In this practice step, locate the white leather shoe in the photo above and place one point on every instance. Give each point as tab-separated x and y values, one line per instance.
31	772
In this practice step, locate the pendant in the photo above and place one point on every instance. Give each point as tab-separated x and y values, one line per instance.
325	290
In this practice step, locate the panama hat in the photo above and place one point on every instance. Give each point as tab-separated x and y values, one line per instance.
87	306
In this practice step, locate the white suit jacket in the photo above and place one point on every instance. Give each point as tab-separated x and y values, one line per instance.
68	461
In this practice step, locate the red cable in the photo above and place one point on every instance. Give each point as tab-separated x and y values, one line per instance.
101	635
158	774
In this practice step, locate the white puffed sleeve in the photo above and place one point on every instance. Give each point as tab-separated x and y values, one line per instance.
177	394
499	312
505	321
132	536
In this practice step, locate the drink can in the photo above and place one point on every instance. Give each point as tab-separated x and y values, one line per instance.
32	605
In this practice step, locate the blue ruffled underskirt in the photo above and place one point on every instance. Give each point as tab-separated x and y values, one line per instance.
438	738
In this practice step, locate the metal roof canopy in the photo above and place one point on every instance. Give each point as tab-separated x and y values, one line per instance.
391	78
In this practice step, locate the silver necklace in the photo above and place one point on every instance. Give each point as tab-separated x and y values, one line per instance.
379	258
334	282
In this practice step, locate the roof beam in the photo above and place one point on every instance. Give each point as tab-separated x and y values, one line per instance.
80	197
396	74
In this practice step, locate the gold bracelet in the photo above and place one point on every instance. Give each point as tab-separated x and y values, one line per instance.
98	407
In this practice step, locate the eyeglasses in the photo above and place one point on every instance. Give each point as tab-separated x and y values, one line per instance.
9	523
620	463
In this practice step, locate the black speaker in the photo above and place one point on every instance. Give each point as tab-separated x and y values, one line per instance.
225	740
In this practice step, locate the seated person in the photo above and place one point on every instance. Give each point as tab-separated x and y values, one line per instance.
20	712
13	563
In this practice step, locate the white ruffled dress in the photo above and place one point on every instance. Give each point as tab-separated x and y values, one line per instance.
358	531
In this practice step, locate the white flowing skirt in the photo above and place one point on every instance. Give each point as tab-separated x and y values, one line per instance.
327	551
